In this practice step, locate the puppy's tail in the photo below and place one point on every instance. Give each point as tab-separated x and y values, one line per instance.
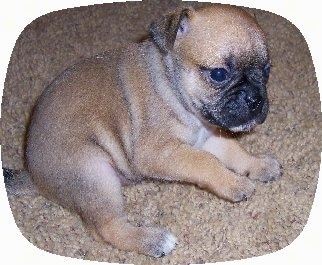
18	182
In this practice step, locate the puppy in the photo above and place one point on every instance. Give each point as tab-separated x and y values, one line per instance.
154	110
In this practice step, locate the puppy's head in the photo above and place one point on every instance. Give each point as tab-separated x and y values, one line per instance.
220	59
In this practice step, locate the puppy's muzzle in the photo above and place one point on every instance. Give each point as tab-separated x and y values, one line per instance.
245	107
244	104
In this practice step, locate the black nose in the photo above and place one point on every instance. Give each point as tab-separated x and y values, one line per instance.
254	102
252	98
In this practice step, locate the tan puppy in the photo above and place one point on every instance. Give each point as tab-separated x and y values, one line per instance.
153	111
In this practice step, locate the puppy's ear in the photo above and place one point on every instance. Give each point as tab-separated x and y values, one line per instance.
165	30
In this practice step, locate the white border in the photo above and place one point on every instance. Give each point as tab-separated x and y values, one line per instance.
15	15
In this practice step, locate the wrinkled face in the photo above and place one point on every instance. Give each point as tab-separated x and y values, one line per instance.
238	99
224	67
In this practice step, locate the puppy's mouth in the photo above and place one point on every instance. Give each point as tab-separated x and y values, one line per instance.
238	112
244	127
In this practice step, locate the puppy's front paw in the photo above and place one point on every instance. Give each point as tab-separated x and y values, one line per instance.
236	188
243	190
158	242
265	169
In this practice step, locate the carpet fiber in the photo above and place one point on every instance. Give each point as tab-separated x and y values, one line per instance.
208	229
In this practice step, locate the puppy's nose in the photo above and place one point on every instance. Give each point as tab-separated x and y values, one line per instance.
254	102
252	98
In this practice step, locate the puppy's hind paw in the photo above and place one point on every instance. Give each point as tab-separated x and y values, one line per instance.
167	245
159	242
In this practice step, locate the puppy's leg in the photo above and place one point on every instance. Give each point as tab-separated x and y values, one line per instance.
98	199
180	162
234	157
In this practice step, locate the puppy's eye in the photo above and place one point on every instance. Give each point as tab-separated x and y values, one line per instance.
267	70
218	74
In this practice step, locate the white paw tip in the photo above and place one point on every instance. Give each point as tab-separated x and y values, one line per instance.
169	244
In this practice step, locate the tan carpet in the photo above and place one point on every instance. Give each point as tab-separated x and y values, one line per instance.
208	229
